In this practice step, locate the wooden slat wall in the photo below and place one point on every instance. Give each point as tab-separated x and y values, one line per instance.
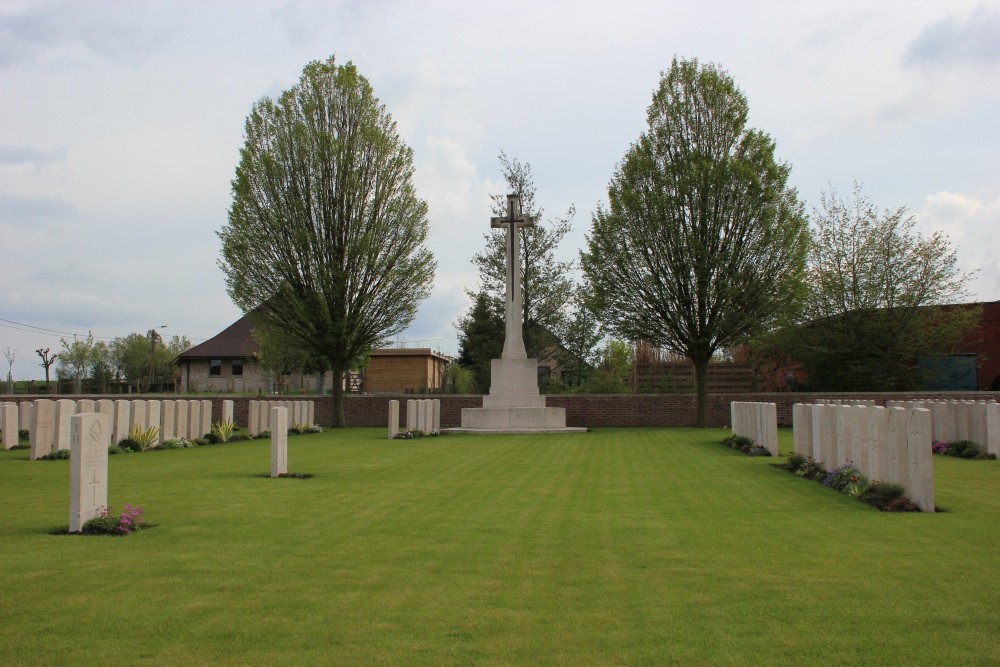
666	378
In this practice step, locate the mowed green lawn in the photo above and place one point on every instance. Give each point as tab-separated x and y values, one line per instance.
617	547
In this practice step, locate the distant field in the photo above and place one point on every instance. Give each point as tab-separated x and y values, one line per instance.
617	547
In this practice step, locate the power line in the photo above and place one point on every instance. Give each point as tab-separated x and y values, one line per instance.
42	331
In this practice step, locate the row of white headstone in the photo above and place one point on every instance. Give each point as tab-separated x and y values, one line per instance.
421	415
884	444
90	436
48	421
978	421
298	413
757	421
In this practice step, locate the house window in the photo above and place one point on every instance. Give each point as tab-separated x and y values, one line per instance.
237	367
544	375
215	367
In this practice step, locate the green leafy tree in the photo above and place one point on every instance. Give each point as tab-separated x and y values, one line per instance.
76	360
546	285
481	334
579	335
325	239
103	368
276	358
704	243
134	351
876	289
613	368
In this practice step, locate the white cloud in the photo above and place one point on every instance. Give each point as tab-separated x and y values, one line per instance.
956	40
971	224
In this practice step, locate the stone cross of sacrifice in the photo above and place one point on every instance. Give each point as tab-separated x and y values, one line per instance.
513	346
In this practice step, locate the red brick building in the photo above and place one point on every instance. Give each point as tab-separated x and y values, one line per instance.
983	343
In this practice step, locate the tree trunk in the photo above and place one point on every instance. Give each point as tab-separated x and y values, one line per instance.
337	380
701	384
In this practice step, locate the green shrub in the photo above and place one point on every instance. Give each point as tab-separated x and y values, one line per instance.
964	449
888	490
129	444
113	449
739	442
202	442
239	437
264	434
23	434
212	438
102	525
811	469
294	431
56	455
794	462
759	451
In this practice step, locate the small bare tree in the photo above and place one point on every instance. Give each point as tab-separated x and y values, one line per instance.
11	357
47	362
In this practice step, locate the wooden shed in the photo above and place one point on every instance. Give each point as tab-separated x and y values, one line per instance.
418	369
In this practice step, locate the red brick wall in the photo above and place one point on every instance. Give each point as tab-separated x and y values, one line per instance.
581	409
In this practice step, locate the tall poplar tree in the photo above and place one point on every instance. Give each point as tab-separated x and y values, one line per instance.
704	243
325	241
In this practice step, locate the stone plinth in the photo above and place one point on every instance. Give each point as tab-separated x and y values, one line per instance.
513	404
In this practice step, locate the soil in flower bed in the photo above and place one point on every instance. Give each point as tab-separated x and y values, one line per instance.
289	475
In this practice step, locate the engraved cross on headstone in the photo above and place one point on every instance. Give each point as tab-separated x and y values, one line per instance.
513	346
94	484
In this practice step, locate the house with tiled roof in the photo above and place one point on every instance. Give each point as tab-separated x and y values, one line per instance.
227	362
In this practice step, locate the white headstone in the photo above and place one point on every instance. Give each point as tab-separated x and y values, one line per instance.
816	430
977	424
855	420
297	412
279	441
206	417
411	415
311	416
393	419
42	432
993	429
27	409
962	420
65	409
436	414
771	428
253	418
168	420
84	406
153	419
181	429
138	413
877	425
10	424
422	416
918	444
227	411
194	420
123	418
896	458
842	432
88	466
106	407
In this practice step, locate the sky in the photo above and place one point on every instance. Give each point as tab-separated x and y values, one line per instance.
121	124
